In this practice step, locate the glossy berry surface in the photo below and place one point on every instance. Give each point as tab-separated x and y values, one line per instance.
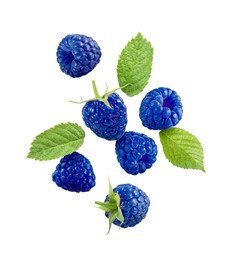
134	204
161	109
78	55
136	152
74	173
108	122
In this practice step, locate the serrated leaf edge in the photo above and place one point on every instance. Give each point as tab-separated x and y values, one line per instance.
135	91
198	142
32	150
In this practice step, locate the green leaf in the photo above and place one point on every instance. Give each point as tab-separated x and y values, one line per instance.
182	148
135	65
57	142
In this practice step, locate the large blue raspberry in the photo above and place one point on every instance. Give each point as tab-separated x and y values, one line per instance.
74	173
161	109
136	152
78	55
125	206
106	121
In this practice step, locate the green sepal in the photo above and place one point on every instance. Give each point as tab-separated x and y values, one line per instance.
103	98
112	206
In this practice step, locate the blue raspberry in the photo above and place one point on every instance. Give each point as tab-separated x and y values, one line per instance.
134	204
106	121
78	55
160	109
136	152
74	173
125	206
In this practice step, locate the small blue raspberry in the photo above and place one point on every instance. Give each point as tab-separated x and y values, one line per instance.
136	152
78	55
74	173
161	109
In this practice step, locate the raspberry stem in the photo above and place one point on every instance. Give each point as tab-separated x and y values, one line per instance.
97	95
103	98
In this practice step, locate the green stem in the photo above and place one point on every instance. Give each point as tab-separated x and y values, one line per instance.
97	95
114	90
103	98
81	102
107	206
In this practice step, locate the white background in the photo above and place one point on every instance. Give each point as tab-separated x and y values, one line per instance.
193	215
